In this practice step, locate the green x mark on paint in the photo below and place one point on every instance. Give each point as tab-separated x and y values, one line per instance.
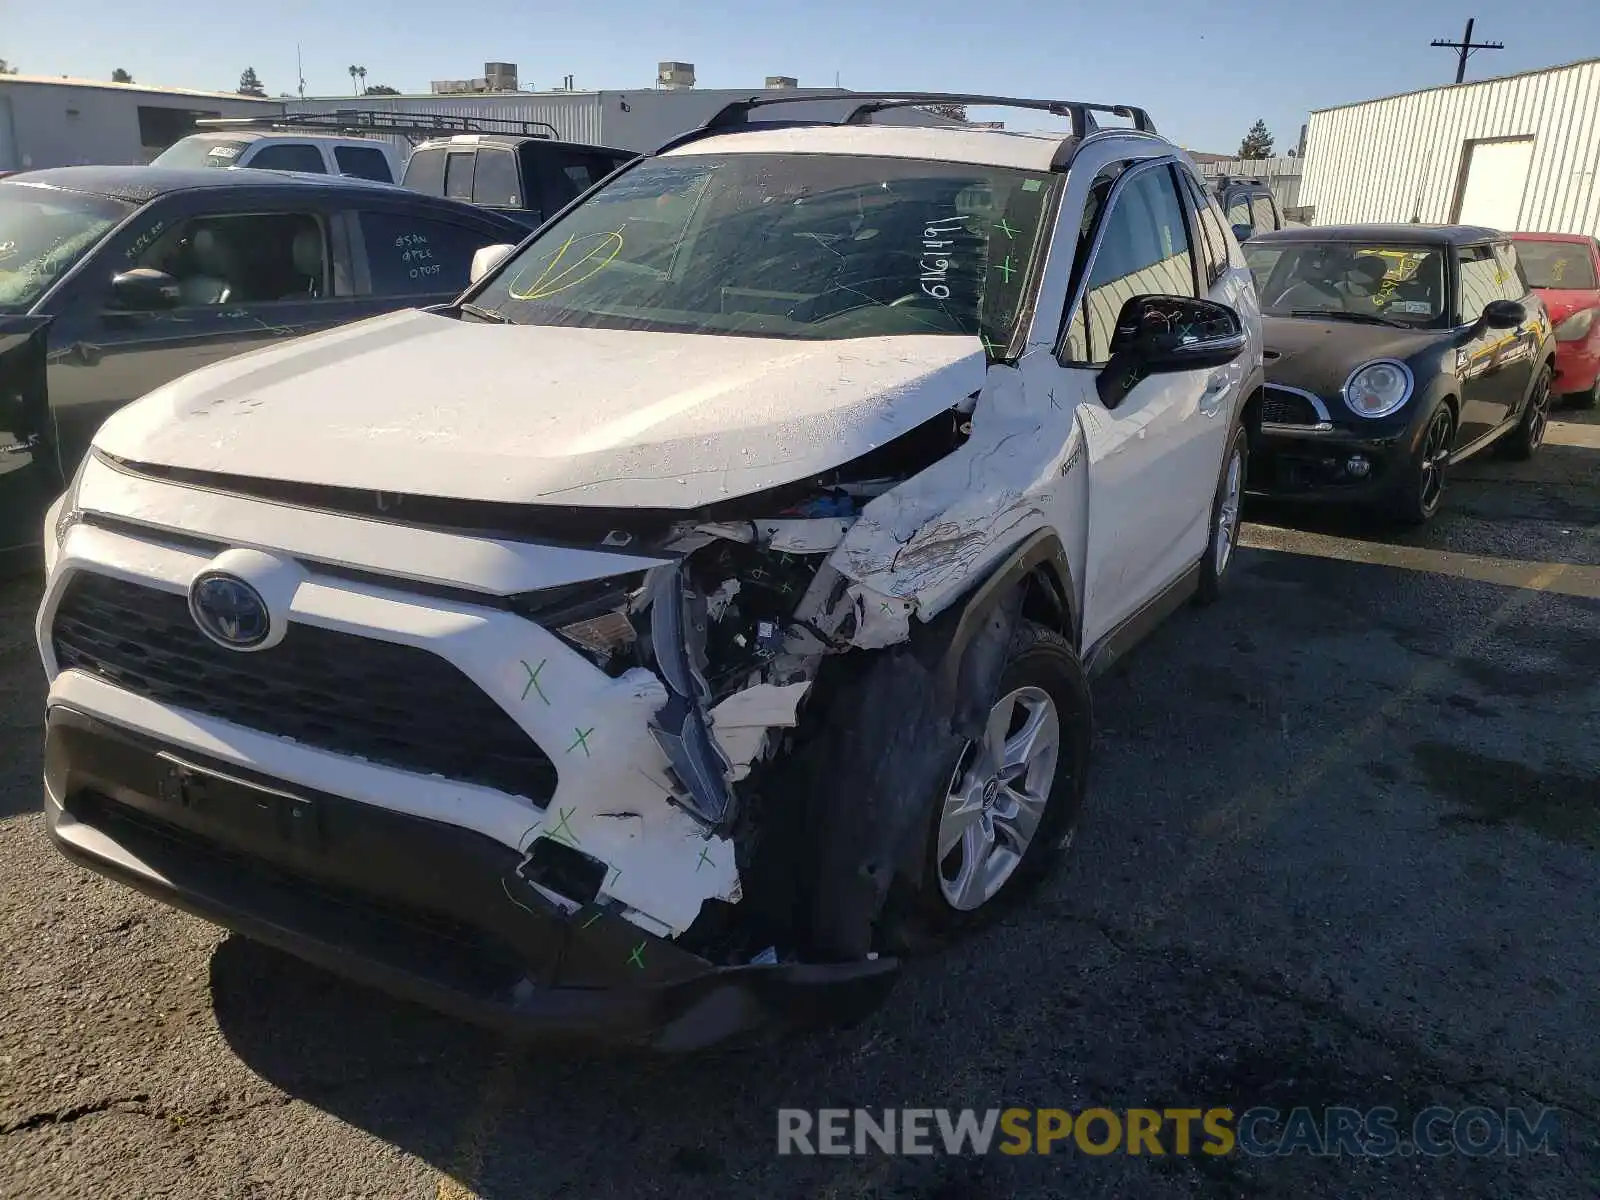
989	345
562	829
582	740
1006	269
704	859
637	957
1006	229
591	920
533	680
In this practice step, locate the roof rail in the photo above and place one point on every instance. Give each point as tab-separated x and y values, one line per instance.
409	125
1081	112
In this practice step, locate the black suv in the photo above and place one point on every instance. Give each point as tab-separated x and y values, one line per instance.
1249	205
528	178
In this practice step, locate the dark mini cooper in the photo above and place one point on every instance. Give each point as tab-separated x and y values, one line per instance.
1392	352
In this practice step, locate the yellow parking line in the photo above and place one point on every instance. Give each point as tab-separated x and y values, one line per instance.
1569	579
1229	823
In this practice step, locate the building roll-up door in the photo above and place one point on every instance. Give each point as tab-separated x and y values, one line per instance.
1494	175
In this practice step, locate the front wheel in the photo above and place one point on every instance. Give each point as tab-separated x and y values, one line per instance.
1523	441
1423	487
1010	805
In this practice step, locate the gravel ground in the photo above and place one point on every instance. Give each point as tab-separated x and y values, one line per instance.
1341	849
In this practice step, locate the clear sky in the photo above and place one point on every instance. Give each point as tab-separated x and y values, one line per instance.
1205	69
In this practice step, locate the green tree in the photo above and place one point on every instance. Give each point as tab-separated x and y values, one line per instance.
121	76
381	89
1257	143
6	68
250	84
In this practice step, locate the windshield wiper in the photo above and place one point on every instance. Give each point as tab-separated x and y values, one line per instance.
484	314
1340	314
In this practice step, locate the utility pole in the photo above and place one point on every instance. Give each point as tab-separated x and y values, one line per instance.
1465	47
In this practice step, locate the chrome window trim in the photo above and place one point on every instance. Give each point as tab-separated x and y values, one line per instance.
1076	299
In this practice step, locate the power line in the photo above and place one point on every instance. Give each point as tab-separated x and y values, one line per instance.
1465	47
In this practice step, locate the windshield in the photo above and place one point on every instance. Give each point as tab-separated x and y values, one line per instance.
199	152
43	233
1556	264
788	246
1403	285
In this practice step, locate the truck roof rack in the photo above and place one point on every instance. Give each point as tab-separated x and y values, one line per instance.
410	125
1081	112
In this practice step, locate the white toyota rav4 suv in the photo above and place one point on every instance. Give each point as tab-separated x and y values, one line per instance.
664	638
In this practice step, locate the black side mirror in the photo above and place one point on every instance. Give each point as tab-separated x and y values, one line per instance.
144	289
1243	233
1161	334
1504	314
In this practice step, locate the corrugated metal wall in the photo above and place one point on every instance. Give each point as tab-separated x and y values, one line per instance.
575	115
1400	159
629	120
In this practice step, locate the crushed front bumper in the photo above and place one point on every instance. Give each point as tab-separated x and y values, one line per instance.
1321	465
424	910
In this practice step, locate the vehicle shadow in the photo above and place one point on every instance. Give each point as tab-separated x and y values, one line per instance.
22	690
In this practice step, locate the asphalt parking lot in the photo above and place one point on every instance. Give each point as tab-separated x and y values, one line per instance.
1342	848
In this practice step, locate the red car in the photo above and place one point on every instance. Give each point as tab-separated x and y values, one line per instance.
1564	268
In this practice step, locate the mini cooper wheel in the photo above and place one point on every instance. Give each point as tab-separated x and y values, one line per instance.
1423	487
1524	441
1226	508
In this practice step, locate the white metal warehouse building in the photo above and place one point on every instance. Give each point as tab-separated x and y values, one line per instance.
1521	152
641	119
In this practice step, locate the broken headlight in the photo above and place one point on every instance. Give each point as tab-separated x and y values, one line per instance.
593	616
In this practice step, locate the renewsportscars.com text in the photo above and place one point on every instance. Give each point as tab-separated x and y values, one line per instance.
1259	1132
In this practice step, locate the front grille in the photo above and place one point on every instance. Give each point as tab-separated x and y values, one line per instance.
1287	408
387	703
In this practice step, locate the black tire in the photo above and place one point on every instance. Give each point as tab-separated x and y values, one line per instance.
1524	440
1214	573
919	916
1584	399
1422	490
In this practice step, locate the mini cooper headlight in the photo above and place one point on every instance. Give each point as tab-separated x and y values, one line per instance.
1379	388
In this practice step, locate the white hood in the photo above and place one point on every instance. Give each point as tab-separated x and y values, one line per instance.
427	405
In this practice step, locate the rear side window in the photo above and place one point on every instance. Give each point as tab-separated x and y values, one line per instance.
495	183
425	172
364	162
573	172
409	255
289	156
1239	210
458	170
1262	215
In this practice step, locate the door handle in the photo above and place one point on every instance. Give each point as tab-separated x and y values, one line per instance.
1217	387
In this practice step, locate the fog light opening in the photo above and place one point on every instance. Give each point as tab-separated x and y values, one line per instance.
1357	466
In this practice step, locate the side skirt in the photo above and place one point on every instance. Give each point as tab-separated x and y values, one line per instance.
1116	643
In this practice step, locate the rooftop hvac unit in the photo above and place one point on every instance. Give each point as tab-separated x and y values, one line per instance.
674	75
782	81
501	77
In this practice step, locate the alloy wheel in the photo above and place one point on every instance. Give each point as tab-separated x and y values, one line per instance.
1539	414
997	797
1435	457
1228	512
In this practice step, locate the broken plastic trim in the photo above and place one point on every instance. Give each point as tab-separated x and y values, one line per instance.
677	634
